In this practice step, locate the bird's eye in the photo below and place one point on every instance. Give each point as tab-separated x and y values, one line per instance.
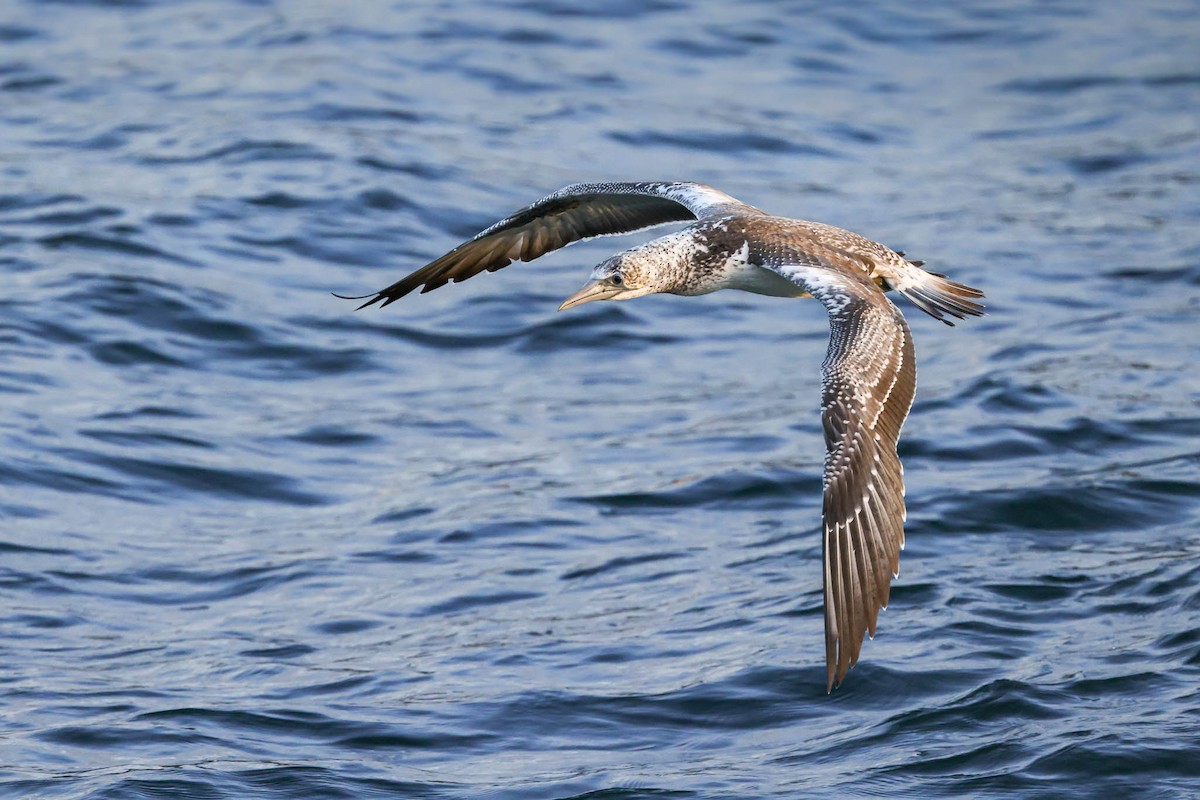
615	280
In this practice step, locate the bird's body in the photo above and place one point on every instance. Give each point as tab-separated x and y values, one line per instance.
869	372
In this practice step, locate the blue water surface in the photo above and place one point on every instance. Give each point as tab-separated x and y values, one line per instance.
255	544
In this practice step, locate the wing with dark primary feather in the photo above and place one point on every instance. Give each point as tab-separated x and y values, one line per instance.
868	380
577	212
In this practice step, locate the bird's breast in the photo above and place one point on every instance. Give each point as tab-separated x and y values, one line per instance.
749	277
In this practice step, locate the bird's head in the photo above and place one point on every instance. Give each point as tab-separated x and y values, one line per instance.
635	273
618	278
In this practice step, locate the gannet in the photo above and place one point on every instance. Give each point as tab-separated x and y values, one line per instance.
868	375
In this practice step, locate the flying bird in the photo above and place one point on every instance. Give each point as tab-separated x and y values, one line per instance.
868	375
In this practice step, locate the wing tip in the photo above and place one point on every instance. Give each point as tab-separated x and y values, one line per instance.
375	297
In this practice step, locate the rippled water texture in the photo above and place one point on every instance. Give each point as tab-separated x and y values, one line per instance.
254	544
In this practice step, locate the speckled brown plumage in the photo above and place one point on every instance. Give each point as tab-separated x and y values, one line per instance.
869	371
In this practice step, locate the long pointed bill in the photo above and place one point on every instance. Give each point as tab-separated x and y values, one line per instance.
595	290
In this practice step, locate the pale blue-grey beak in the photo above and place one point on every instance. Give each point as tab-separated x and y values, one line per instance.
594	290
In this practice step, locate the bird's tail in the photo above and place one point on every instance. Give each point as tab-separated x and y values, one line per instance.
938	296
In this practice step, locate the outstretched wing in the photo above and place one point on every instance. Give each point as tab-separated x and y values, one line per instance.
868	380
577	212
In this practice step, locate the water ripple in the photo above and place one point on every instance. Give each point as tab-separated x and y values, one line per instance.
256	544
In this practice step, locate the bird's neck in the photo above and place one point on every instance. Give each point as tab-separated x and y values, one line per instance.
681	263
699	260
